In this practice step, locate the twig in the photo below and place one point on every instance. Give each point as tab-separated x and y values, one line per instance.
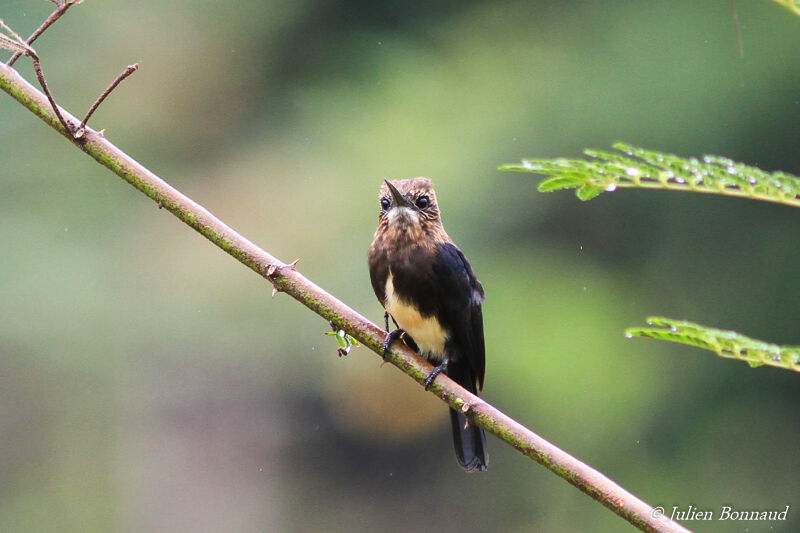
54	16
17	43
130	69
10	44
24	48
40	76
292	282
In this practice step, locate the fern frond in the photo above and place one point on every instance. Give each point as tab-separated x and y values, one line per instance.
724	343
648	169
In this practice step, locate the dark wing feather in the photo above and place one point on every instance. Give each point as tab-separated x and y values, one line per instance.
460	295
378	271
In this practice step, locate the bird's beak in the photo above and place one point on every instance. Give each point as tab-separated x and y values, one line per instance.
399	199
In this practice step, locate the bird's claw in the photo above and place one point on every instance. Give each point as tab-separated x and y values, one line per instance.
429	379
390	338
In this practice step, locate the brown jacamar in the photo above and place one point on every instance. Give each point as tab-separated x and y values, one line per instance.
429	289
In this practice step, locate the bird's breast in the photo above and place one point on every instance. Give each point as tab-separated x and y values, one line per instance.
426	331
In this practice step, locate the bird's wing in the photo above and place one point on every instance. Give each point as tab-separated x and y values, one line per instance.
459	299
378	272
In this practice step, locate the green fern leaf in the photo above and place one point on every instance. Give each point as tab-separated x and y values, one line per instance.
724	343
637	167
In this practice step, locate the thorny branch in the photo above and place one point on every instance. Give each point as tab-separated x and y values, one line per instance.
285	278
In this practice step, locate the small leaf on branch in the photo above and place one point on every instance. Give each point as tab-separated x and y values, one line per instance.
724	343
346	342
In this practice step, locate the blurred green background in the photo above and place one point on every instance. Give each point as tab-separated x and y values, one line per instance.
148	382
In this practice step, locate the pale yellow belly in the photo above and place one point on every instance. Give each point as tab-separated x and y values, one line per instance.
426	331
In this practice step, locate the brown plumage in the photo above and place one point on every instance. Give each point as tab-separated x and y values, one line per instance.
429	289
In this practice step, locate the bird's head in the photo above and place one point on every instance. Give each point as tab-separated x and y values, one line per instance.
408	205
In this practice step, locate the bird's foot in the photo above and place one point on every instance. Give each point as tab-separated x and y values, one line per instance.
390	338
435	372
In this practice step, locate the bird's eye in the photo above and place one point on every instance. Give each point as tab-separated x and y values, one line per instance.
422	202
384	204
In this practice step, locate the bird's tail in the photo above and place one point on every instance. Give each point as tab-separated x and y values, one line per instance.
469	440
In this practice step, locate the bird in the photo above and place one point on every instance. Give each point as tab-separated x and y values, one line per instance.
428	288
